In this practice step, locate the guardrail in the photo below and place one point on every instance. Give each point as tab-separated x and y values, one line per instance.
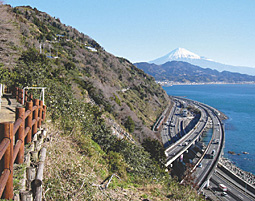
181	140
214	165
211	169
184	138
158	125
236	178
1	93
28	120
201	158
222	142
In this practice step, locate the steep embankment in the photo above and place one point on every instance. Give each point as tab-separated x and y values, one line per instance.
113	83
86	88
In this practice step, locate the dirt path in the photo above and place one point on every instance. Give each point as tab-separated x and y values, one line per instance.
8	107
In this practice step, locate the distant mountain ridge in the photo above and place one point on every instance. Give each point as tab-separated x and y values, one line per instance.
181	54
178	71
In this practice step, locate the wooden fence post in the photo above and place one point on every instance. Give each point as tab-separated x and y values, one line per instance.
44	112
25	101
36	103
17	93
29	106
20	113
40	114
21	96
31	97
8	133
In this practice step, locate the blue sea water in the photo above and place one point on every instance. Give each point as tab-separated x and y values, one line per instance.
238	103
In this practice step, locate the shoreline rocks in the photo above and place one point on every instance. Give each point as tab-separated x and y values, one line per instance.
233	153
246	176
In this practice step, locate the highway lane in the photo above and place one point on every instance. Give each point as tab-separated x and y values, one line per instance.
179	147
169	132
166	138
204	163
207	165
218	193
217	143
233	187
233	192
214	146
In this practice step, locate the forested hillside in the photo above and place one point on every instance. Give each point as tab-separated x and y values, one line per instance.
88	90
113	83
179	71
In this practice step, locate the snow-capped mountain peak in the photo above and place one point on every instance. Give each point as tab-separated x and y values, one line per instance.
178	54
182	53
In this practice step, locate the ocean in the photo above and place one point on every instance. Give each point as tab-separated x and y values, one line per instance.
237	101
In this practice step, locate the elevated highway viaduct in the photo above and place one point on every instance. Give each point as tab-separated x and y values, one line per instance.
205	170
176	149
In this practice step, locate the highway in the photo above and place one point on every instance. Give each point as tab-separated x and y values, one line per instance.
214	146
180	146
205	168
234	192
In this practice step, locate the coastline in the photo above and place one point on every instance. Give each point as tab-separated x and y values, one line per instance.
233	101
171	83
242	174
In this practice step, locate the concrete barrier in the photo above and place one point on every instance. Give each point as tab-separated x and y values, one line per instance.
237	179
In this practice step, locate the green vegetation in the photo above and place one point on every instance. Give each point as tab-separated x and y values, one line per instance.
81	92
156	151
19	174
130	125
4	74
117	100
178	71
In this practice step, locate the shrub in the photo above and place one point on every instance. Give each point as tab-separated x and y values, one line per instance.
130	125
117	164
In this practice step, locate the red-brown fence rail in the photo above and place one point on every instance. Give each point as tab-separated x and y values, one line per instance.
20	96
13	136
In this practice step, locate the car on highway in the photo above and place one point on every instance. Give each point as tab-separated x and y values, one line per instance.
223	187
224	193
216	141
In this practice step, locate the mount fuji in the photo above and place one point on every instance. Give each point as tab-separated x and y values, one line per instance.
181	54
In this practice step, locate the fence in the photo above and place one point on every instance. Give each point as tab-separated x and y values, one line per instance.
13	136
22	96
1	93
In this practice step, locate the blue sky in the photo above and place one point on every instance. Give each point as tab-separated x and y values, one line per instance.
142	30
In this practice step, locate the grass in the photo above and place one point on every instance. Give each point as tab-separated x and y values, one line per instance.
18	175
74	169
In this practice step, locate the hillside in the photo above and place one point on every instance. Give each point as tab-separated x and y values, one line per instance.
178	71
112	83
92	98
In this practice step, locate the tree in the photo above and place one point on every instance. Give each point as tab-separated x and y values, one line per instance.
129	124
117	164
156	150
4	74
33	56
